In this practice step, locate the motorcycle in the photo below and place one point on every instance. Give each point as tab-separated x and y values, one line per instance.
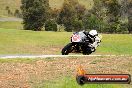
79	44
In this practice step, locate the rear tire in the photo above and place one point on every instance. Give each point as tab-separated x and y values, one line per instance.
67	49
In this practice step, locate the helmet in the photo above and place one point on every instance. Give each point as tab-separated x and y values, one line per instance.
93	33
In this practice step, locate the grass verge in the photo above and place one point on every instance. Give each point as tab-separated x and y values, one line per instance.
11	25
70	82
14	41
60	72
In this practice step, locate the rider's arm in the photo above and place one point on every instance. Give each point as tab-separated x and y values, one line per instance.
97	42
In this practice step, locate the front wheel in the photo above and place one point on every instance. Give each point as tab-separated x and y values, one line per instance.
67	49
87	51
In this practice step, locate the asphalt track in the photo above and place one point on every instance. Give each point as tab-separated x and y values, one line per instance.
49	56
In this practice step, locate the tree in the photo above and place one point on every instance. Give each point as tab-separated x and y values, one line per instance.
50	25
9	11
96	18
7	8
130	16
92	22
113	10
68	14
54	13
35	13
78	25
17	13
109	13
80	9
71	15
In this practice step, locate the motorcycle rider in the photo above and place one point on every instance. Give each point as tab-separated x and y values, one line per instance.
93	39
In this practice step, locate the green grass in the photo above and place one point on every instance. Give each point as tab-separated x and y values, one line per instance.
70	82
11	25
116	44
14	41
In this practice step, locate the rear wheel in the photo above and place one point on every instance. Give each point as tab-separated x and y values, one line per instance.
67	49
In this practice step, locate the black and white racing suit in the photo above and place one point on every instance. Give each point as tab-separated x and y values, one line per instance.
93	40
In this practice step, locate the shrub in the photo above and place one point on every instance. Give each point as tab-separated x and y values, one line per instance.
34	13
50	25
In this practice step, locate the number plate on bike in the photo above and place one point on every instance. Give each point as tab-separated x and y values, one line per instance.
76	38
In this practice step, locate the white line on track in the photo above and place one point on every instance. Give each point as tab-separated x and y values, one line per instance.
48	56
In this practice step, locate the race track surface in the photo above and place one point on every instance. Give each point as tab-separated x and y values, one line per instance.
47	56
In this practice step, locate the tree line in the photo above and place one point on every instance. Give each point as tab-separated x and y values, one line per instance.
16	13
106	16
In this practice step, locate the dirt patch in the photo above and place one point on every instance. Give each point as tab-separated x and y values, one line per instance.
28	75
49	50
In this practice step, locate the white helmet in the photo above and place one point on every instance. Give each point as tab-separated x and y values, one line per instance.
93	33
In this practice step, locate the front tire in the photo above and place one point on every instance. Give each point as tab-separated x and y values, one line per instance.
87	51
67	49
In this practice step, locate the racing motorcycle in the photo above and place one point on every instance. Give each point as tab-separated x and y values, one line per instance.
79	44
